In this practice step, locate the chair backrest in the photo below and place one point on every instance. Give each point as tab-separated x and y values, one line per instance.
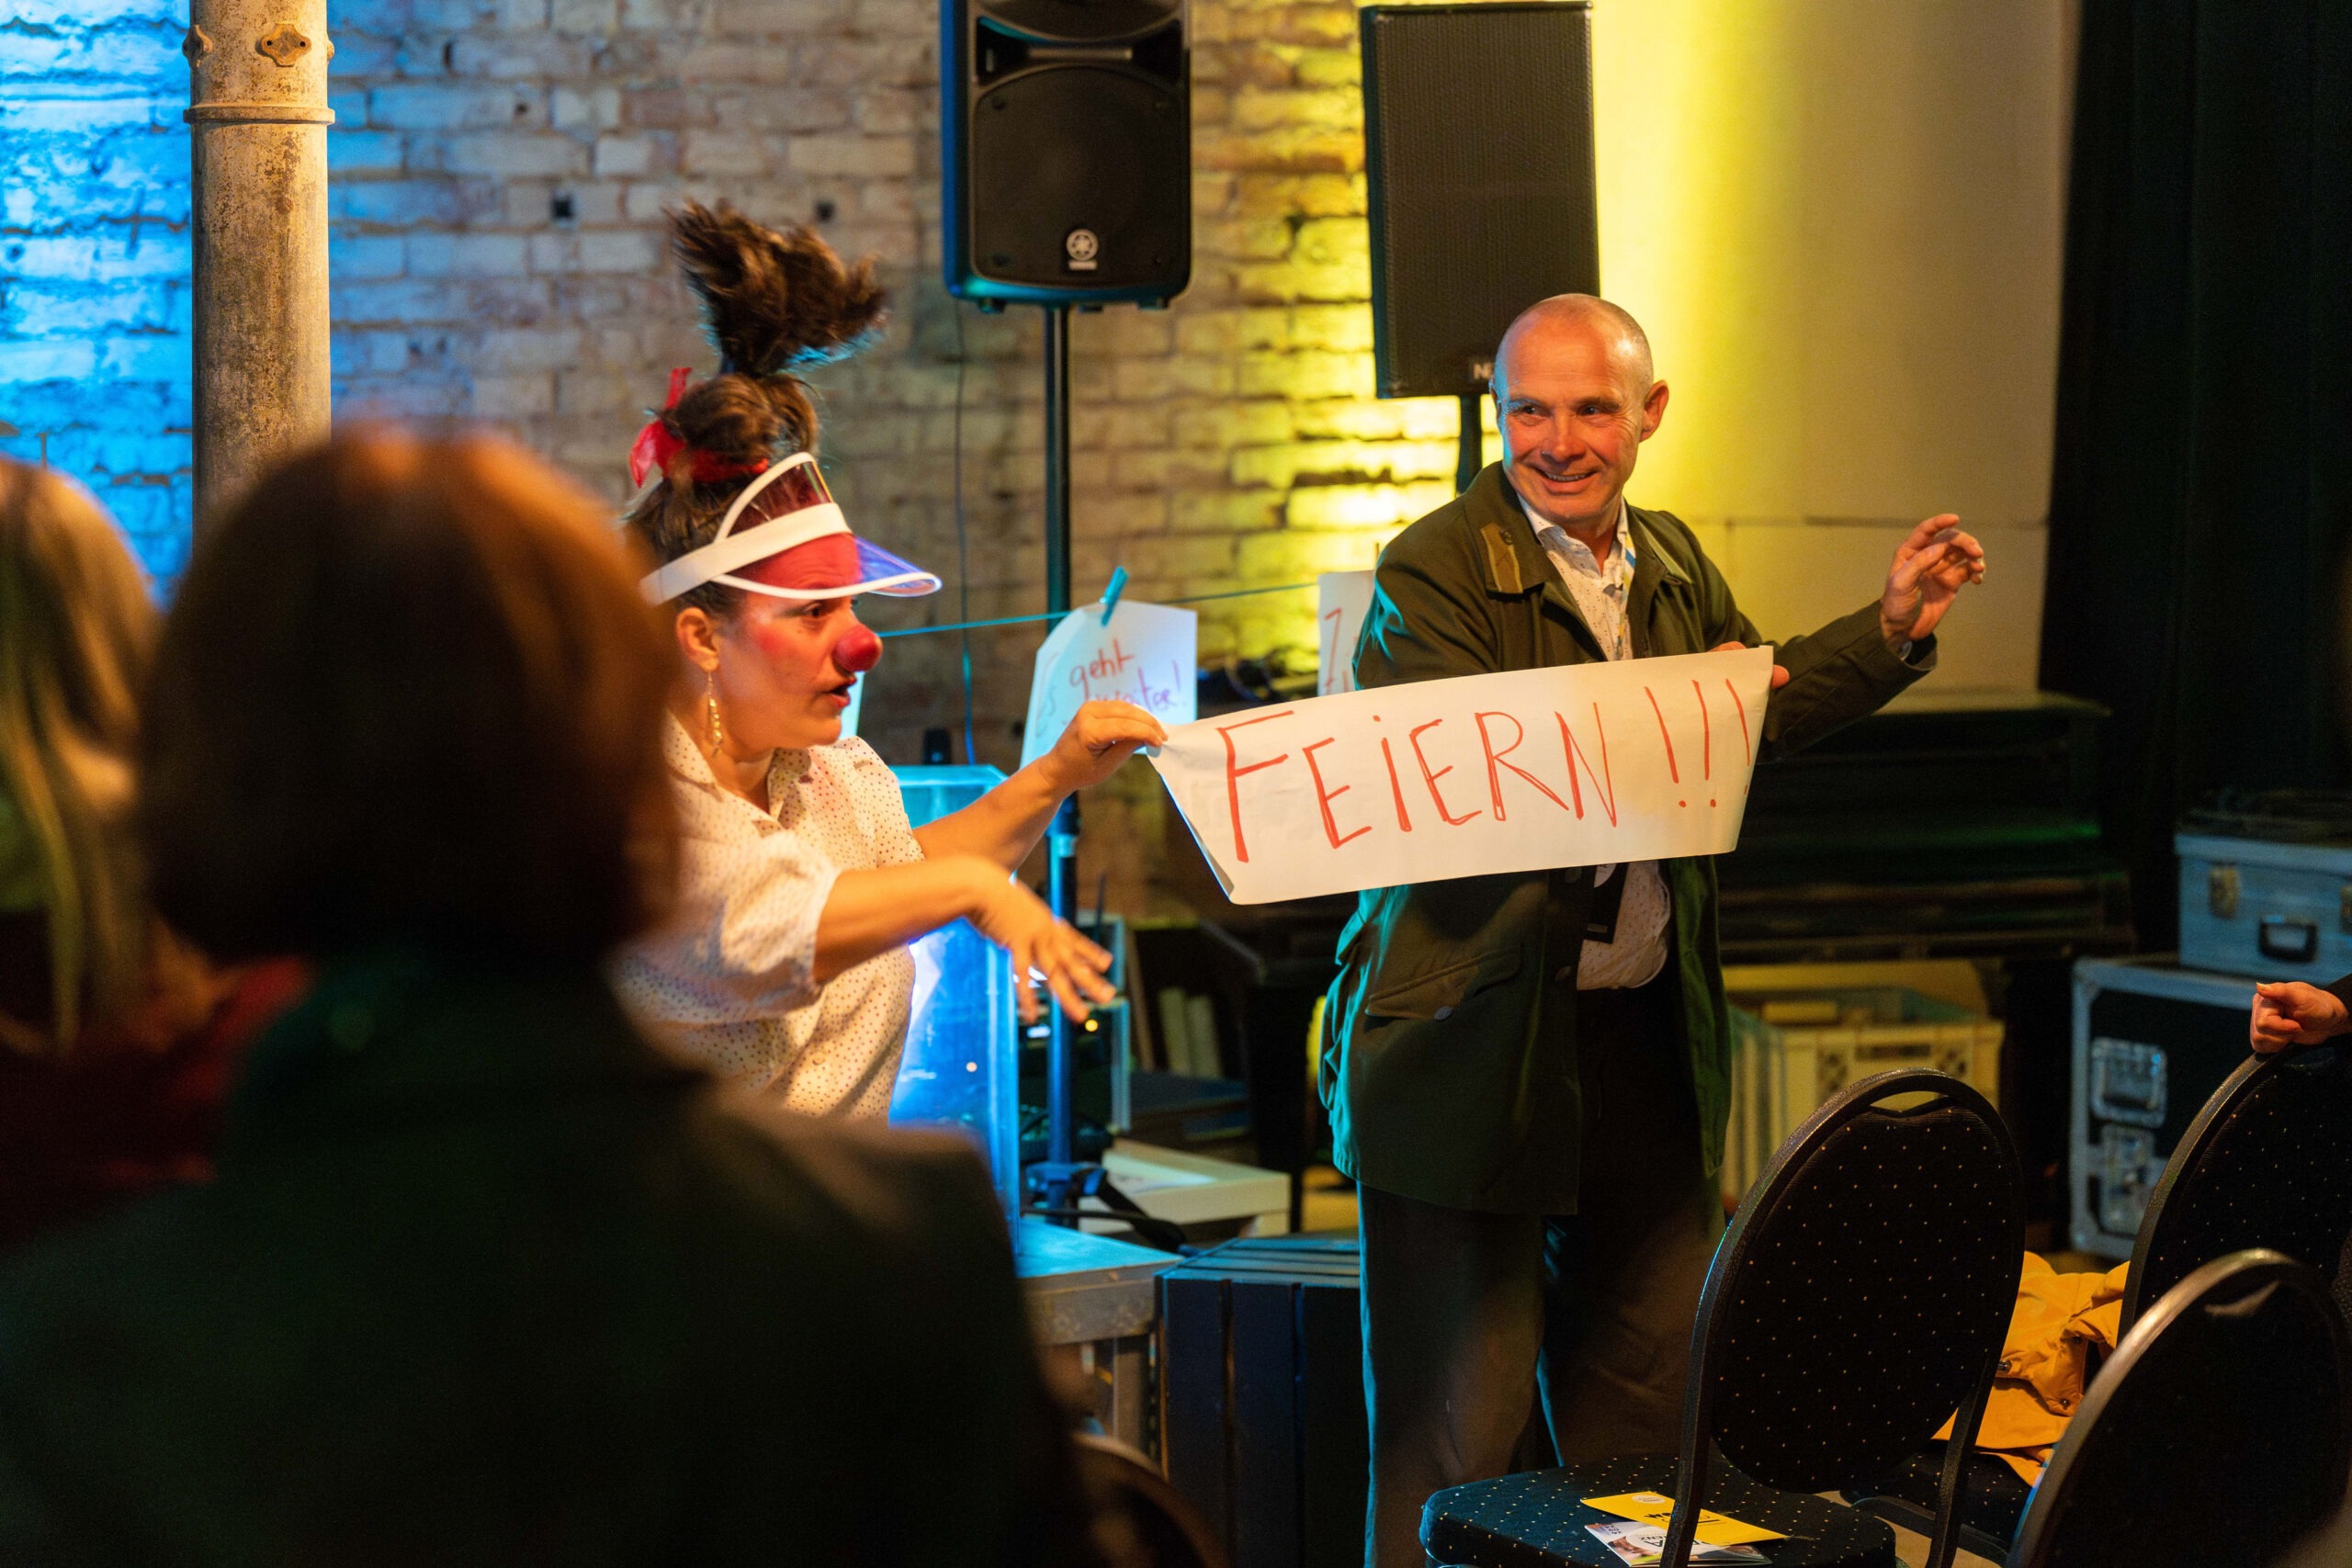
2268	1163
2218	1432
1861	1295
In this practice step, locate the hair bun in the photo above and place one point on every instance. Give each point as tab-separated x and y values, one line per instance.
771	300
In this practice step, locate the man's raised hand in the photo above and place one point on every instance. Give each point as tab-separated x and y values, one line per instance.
1930	568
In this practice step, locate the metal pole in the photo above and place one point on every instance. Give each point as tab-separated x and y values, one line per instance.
258	106
1470	454
1061	842
1058	459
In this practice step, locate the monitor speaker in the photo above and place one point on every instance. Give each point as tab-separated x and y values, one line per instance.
1066	132
1478	154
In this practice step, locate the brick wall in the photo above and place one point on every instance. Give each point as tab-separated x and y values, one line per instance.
93	256
501	167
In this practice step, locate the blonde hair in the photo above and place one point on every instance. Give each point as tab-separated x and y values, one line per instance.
77	626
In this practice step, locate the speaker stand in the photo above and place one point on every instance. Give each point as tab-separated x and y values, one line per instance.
1058	1182
1470	452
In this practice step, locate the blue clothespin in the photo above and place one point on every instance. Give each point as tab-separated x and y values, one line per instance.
1111	594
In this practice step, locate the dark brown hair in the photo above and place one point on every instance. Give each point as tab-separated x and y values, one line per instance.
772	301
409	692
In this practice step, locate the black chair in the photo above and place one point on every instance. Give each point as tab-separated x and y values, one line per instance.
1141	1520
1992	1498
2267	1162
1858	1298
2219	1432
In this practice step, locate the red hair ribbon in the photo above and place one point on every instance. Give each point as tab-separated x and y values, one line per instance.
656	446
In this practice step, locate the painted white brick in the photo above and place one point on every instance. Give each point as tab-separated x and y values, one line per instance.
596	17
513	396
366	255
466	255
151	356
723	152
863	157
94	14
620	251
68	359
454	106
593	109
363	152
623	155
516	154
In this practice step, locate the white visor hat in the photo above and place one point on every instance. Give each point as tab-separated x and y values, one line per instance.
784	508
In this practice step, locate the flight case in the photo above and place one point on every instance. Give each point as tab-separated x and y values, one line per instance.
2153	1040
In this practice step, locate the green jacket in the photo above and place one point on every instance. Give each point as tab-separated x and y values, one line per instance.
483	1279
1445	1080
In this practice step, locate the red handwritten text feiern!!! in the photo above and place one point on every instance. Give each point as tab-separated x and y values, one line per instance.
1512	779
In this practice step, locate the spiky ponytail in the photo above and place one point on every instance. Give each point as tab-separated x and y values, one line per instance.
773	302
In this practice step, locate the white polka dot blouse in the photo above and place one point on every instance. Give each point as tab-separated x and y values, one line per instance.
728	981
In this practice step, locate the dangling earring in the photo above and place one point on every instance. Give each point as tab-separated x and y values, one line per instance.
718	732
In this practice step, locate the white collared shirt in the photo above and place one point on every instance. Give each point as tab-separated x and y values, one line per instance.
1602	591
729	980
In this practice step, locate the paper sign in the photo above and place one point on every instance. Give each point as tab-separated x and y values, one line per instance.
1147	656
1656	1508
1345	597
1643	1546
1582	764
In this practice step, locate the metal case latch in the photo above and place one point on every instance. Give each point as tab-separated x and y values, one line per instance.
2128	1082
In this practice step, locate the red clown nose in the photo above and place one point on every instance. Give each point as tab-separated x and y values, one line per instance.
858	650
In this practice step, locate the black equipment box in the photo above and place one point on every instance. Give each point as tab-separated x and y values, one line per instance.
1261	1414
1960	824
2153	1042
1474	209
1066	151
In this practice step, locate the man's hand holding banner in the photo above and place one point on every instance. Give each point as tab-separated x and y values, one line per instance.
1581	764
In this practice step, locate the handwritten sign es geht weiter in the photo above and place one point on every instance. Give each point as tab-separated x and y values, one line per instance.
1148	655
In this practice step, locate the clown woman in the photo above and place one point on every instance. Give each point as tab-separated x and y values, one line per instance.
802	883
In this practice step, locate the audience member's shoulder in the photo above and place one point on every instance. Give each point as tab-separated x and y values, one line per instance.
883	1181
119	1266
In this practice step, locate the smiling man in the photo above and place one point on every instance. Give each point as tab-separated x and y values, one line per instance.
1529	1074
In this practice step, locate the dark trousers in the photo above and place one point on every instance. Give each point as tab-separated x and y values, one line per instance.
1467	1314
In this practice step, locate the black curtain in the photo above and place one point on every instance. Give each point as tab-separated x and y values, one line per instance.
2202	487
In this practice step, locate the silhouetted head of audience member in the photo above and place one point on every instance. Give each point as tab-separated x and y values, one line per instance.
409	694
77	630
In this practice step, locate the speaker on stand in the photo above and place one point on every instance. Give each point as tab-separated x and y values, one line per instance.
1478	128
1067	165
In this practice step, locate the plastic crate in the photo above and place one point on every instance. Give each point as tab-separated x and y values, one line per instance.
962	1067
1791	1051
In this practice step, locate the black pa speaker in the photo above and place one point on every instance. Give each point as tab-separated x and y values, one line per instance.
1066	130
1477	124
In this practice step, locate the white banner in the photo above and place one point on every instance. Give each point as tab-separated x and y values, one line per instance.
1344	597
1582	764
1148	655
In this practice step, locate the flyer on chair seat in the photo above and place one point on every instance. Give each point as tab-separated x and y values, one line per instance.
1642	1545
